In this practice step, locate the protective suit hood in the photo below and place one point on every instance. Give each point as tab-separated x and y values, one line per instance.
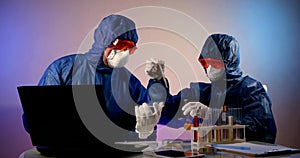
109	29
226	48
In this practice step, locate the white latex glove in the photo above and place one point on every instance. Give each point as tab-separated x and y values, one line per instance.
195	109
146	118
155	68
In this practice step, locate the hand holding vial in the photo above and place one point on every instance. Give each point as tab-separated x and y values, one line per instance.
146	118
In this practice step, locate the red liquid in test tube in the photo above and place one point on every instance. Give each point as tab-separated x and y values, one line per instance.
196	124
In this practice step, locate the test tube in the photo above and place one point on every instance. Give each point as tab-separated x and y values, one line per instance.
230	132
163	75
224	114
196	124
187	117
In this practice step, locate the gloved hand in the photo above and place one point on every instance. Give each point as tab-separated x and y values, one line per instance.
195	109
146	118
155	68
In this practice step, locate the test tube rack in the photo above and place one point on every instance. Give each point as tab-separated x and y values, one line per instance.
207	134
222	134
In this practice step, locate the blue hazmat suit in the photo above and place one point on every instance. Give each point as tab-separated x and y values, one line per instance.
234	90
122	90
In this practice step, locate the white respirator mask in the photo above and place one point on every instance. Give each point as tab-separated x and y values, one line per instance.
117	58
214	74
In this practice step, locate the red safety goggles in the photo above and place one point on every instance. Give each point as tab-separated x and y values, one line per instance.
123	45
205	62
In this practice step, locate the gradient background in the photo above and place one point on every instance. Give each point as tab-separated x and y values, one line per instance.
34	33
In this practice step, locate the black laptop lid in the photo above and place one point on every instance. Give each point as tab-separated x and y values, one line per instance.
52	117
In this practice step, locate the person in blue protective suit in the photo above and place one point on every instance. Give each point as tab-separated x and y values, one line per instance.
220	58
114	41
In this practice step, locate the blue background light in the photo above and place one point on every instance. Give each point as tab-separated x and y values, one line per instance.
33	33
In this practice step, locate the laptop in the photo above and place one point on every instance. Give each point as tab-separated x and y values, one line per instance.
53	119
